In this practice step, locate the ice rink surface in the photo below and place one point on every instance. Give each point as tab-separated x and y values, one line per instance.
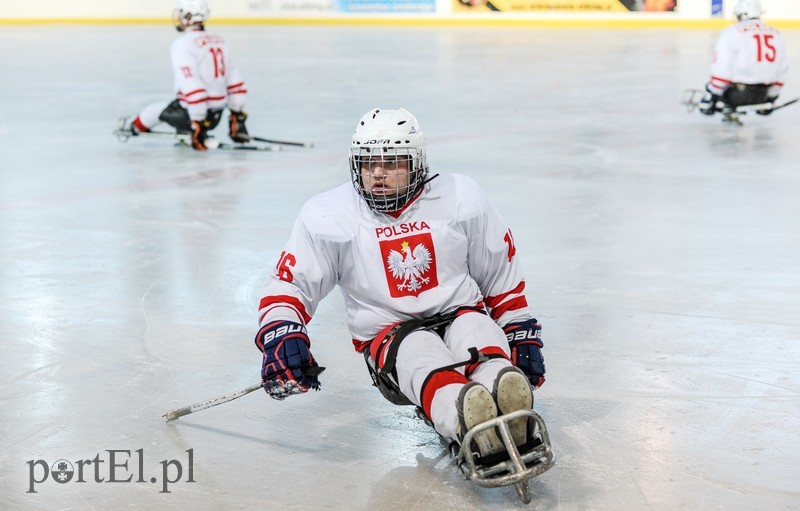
661	249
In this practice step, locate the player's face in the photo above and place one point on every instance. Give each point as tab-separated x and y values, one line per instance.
385	176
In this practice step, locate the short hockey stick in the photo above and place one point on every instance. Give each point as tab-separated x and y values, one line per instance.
282	142
186	139
793	101
690	101
186	410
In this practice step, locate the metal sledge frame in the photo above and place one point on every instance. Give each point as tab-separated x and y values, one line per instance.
516	470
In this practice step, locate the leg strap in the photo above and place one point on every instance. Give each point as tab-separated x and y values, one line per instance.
381	354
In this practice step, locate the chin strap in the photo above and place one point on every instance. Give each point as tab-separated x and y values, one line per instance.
429	179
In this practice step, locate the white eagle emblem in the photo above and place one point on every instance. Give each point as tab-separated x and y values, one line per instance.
411	267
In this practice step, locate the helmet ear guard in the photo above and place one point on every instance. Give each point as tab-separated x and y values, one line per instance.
389	136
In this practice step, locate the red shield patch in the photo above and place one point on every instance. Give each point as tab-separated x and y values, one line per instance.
410	265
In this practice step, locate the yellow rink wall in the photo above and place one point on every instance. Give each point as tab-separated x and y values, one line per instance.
577	14
615	24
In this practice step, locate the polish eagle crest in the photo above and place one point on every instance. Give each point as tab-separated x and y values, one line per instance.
410	266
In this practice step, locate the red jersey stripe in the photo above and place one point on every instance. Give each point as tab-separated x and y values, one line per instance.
285	301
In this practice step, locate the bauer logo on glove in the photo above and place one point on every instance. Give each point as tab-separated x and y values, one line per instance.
527	332
524	339
288	366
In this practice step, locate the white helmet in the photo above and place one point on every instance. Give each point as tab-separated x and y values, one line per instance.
190	12
383	135
747	10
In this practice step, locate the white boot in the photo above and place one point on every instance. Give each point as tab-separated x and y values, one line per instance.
475	405
512	392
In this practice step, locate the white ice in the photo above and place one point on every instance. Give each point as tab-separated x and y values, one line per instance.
661	248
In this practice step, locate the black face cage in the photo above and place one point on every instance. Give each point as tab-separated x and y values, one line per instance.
388	203
179	18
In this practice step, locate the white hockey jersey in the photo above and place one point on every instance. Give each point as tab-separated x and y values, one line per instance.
448	248
205	75
749	52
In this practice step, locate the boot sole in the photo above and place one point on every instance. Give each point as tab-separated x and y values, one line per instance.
513	392
478	406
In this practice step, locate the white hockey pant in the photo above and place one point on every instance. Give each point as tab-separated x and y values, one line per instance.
150	114
423	352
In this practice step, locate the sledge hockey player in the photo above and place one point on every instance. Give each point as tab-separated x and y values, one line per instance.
750	64
206	81
432	285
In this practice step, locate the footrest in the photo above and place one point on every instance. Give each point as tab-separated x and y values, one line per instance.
519	466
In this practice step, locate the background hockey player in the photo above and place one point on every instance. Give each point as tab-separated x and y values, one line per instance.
750	63
432	286
206	81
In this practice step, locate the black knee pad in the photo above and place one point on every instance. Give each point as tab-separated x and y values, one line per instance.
178	117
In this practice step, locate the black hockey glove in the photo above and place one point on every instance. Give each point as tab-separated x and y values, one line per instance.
288	367
238	131
525	342
199	135
708	104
